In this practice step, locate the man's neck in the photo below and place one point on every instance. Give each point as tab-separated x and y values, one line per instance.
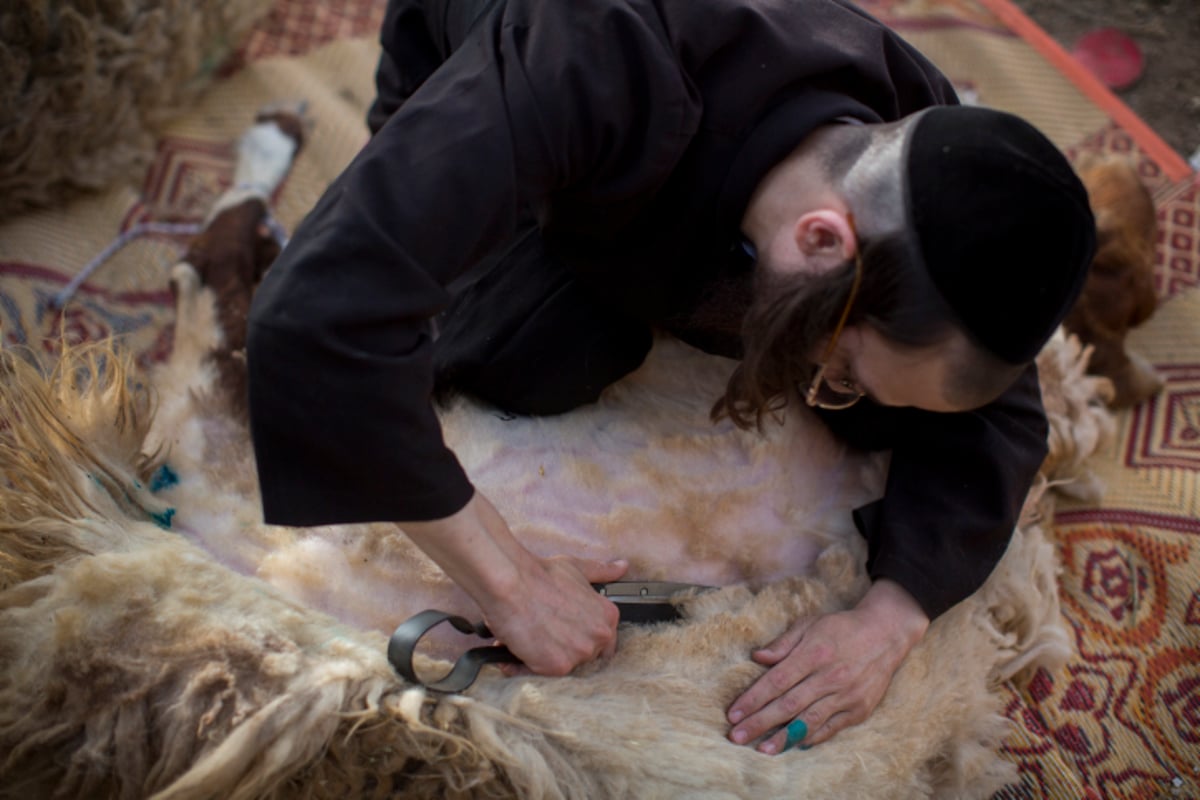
794	186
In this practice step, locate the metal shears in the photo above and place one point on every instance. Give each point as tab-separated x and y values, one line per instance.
639	603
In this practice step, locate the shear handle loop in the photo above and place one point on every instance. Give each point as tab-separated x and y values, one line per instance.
403	644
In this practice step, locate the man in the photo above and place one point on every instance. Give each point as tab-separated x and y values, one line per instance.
549	180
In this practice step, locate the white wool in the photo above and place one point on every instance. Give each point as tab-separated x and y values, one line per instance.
411	703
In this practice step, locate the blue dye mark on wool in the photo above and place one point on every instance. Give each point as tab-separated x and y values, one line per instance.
163	478
163	518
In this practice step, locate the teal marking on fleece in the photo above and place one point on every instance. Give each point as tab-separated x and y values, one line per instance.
164	478
163	518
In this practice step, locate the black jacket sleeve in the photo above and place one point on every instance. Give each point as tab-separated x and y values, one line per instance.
540	95
954	489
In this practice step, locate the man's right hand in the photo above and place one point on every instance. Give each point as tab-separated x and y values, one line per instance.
543	609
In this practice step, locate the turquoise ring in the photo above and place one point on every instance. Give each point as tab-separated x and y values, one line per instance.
797	729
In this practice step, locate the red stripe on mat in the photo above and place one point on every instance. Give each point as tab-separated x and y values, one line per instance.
1171	163
53	275
1134	517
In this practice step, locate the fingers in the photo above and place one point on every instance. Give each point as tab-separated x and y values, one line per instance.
594	571
801	734
544	609
838	722
563	622
808	728
778	697
601	571
828	674
790	665
807	715
513	670
611	649
779	649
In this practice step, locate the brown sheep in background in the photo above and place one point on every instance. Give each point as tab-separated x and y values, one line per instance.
1119	293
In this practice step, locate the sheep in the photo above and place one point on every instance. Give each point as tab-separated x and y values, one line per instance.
158	639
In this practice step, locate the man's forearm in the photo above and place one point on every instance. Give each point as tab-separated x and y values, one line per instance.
476	550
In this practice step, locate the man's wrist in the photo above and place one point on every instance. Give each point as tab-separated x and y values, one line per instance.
896	610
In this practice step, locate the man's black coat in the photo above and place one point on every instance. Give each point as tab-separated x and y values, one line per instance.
635	131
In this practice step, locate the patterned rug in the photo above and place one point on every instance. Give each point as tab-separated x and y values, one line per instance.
1122	720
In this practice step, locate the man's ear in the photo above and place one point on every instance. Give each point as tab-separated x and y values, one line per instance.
824	239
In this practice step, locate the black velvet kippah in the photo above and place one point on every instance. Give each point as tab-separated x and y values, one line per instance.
1002	222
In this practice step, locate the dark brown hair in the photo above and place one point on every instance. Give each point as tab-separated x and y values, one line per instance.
791	314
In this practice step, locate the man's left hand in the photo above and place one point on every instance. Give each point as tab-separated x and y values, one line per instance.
828	672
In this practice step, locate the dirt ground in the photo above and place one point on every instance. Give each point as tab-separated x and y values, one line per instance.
1167	96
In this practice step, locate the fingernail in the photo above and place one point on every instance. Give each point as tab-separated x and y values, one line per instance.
797	729
768	748
736	716
739	737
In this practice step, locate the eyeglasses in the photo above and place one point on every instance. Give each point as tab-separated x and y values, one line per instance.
821	393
